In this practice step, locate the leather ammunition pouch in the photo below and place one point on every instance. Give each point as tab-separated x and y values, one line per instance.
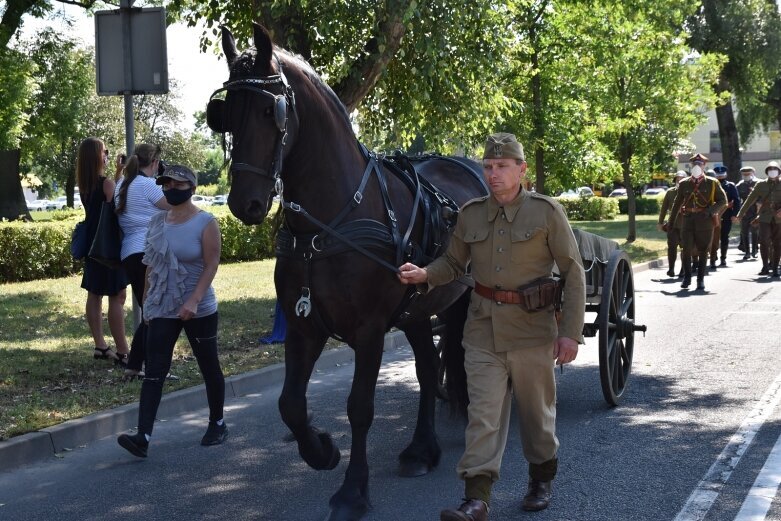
540	294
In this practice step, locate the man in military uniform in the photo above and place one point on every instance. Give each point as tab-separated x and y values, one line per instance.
511	240
721	237
768	194
698	203
749	244
665	224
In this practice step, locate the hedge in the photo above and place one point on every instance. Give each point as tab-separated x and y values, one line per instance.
643	205
589	208
41	250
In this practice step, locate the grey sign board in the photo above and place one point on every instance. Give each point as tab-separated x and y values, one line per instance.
147	51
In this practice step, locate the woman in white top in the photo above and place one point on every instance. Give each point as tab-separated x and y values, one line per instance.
137	199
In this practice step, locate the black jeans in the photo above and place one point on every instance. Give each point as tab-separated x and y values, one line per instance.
162	334
136	274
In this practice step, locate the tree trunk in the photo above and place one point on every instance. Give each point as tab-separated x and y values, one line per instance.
538	117
12	203
12	18
728	136
625	155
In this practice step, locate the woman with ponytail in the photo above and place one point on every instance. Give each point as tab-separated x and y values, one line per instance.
100	280
138	198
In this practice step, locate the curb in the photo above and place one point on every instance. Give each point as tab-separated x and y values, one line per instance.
38	446
41	445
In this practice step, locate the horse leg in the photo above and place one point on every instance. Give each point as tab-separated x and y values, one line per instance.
351	501
423	452
316	448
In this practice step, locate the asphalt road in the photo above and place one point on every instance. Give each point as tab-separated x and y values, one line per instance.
699	420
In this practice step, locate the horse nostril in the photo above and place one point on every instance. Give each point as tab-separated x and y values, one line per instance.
256	208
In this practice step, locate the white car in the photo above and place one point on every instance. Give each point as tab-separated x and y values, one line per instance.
618	192
653	192
220	200
583	191
201	200
61	202
38	205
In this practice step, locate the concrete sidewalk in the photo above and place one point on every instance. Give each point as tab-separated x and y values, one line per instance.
47	443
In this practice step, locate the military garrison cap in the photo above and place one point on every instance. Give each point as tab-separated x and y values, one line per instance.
681	173
747	169
503	145
698	157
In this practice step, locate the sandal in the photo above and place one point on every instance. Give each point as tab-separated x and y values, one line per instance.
121	360
132	374
104	354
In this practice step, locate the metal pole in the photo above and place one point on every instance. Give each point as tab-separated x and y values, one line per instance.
124	8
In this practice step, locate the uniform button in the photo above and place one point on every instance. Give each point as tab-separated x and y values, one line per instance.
528	235
503	217
498	268
501	232
500	249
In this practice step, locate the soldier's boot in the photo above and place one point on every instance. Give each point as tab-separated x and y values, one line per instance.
671	271
774	273
687	275
700	284
747	256
723	257
701	271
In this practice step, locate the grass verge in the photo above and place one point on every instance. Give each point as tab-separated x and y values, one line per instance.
48	375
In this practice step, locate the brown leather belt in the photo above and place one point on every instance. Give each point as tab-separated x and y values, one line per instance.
505	296
696	209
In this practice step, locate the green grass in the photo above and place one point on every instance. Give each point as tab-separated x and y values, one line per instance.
650	243
48	375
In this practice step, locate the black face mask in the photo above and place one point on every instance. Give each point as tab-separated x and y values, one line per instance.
176	197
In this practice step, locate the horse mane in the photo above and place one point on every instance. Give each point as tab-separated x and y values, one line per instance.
244	66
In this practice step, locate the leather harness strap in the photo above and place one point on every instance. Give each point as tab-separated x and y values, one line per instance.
505	296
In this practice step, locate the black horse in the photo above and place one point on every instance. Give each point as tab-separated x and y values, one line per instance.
350	218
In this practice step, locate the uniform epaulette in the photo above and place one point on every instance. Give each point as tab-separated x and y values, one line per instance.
551	201
475	200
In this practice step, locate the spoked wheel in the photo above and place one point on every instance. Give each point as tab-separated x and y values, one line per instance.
439	343
617	327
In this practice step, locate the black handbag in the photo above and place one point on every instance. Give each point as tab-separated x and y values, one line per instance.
79	244
107	245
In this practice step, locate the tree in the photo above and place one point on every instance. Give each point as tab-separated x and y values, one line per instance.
407	67
748	33
16	9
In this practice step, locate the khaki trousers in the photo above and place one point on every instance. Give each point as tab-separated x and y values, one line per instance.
492	379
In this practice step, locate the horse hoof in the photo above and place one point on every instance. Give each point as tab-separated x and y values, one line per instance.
325	457
413	469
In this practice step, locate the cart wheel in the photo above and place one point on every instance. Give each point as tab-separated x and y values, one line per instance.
438	328
616	320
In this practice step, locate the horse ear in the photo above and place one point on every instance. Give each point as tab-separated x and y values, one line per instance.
263	46
229	45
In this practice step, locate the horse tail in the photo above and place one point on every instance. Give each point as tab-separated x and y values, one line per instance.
453	355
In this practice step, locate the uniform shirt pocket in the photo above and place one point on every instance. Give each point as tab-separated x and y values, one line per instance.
527	244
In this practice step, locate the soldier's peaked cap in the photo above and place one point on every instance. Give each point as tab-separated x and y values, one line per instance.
698	157
503	145
681	173
748	169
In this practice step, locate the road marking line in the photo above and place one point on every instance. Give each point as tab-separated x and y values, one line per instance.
751	312
709	487
764	490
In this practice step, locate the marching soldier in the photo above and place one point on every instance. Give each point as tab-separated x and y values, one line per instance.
721	237
749	244
673	232
698	204
768	194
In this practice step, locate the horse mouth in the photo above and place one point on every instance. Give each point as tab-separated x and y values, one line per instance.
252	212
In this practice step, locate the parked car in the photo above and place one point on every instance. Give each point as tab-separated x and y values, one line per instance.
653	192
201	200
618	192
62	202
39	205
220	200
583	191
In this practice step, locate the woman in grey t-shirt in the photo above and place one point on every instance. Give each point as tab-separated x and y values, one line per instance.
182	253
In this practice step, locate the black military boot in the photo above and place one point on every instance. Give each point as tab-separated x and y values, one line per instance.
774	273
702	269
700	284
671	271
747	256
765	270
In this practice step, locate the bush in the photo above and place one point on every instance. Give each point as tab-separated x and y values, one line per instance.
643	205
589	208
41	250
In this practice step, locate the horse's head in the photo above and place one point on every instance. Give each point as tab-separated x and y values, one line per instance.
258	110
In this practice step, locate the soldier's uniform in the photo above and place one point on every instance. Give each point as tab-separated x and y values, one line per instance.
720	241
508	350
749	243
670	226
768	194
698	204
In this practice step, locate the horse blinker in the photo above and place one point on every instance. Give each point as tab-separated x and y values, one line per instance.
215	115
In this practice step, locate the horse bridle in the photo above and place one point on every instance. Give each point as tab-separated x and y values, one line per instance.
281	118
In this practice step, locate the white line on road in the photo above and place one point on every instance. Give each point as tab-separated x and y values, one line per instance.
709	487
751	312
764	490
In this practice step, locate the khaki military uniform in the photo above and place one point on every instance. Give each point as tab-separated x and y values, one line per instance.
768	194
673	228
507	349
698	205
749	243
